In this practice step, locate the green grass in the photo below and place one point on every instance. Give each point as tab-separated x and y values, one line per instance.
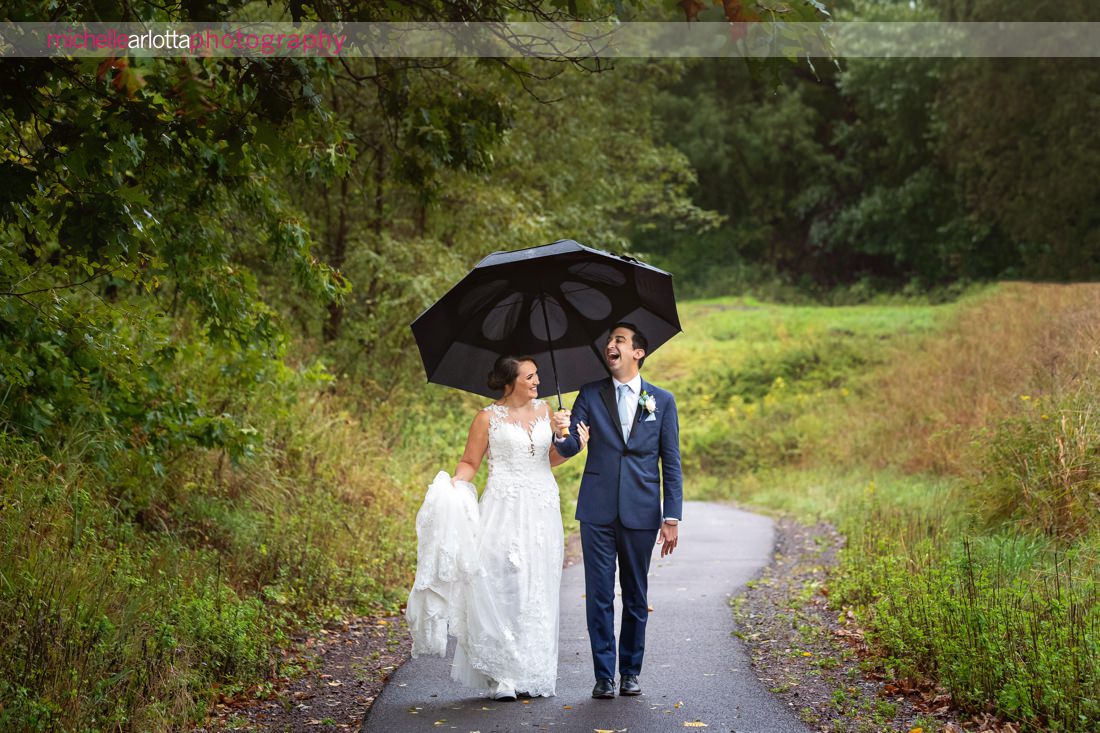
972	552
759	386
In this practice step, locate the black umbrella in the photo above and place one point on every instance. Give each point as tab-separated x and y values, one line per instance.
555	303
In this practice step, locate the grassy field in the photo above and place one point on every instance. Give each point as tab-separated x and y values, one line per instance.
955	446
761	386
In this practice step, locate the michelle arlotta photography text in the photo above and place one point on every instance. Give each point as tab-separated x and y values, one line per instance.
318	42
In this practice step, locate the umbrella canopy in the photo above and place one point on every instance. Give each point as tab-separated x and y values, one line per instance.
556	303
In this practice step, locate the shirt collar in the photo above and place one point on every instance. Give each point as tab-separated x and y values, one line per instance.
634	384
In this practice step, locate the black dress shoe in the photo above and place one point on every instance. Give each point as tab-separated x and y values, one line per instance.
604	689
628	685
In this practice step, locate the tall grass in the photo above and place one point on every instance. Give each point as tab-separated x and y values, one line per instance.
760	386
927	410
998	597
954	445
128	612
1002	619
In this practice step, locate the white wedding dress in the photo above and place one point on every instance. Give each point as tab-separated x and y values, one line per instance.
504	607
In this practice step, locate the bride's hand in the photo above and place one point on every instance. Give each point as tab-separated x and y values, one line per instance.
582	434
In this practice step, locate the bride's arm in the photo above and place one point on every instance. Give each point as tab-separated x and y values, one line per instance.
476	444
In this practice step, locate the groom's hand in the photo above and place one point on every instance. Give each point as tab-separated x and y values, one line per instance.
670	534
561	422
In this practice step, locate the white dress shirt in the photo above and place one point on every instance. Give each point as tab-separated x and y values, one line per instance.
631	397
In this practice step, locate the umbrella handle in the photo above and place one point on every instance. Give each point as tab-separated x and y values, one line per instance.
565	430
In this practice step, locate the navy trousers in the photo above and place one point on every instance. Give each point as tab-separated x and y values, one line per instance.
604	545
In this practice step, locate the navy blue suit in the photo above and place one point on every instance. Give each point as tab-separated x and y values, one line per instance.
620	511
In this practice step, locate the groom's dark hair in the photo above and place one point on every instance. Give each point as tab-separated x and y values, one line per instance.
638	341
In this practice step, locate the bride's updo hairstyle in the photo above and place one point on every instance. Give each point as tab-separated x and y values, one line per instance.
505	371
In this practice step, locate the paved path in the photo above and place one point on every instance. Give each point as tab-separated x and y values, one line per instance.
695	669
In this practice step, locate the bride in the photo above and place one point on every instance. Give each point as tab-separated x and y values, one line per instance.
508	630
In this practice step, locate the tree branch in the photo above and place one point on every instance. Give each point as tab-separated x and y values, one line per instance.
67	286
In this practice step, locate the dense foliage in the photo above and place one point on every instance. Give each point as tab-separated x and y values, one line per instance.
887	173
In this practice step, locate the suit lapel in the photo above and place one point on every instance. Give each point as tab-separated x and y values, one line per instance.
607	392
639	413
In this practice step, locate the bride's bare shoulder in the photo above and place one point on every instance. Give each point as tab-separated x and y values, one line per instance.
483	416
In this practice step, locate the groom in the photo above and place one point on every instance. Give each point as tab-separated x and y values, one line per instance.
633	429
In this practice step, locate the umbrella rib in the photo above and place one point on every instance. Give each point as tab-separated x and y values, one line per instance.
583	321
549	341
566	303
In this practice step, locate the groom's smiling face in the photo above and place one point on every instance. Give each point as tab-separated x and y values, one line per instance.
622	357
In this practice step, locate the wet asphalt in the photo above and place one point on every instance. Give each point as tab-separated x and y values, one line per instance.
696	670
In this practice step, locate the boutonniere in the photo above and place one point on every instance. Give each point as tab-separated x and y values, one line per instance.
648	402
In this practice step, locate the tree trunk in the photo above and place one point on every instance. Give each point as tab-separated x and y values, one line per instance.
379	190
338	255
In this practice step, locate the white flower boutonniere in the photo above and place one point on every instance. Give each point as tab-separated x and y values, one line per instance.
648	402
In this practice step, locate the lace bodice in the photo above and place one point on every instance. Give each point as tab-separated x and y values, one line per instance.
518	453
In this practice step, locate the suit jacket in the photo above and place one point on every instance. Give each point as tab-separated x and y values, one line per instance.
624	478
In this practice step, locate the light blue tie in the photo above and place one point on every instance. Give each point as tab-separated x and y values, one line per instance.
624	411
